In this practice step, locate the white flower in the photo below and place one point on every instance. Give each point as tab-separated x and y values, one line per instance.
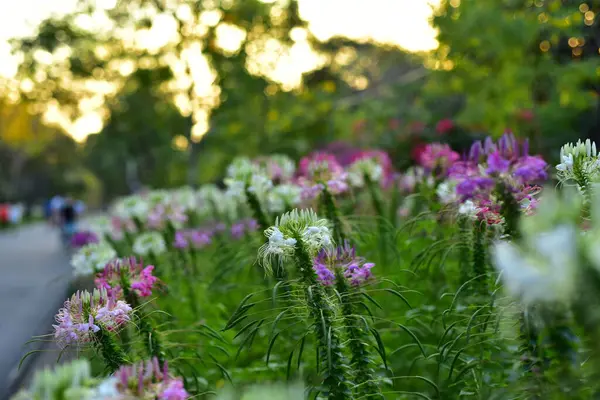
132	207
446	192
278	245
302	224
366	166
185	198
283	196
567	163
92	258
317	237
543	271
101	226
469	209
581	158
259	185
149	243
106	390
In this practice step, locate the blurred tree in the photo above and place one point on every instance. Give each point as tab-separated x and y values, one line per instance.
507	59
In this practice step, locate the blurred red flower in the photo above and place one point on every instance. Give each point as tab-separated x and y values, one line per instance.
444	126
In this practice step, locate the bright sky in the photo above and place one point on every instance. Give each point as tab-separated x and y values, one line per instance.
401	22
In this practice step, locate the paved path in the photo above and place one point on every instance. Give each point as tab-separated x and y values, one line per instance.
35	277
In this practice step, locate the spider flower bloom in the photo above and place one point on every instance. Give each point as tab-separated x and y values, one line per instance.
284	197
437	157
375	164
149	242
128	271
290	227
145	380
278	167
321	171
343	259
579	162
132	207
86	313
161	214
92	258
82	238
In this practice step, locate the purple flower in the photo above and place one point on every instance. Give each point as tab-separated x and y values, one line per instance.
237	230
180	241
83	238
200	239
472	185
86	313
324	274
497	164
476	151
530	169
343	259
251	225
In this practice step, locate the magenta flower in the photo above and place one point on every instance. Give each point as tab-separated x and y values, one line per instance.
354	269
128	270
530	169
444	126
147	380
86	313
497	164
437	157
82	238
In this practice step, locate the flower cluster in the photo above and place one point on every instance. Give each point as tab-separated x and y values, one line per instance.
343	260
128	271
144	380
166	213
320	171
92	258
491	164
376	165
149	243
580	164
437	158
284	197
296	225
278	168
192	238
85	313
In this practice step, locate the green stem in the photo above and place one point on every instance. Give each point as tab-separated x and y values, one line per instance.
510	211
149	334
465	256
379	209
113	355
479	257
257	210
366	386
332	213
329	349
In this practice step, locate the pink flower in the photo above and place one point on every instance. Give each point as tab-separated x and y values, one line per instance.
437	156
86	313
129	270
444	126
319	171
147	380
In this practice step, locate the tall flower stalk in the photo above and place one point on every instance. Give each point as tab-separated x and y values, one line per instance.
345	271
299	235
